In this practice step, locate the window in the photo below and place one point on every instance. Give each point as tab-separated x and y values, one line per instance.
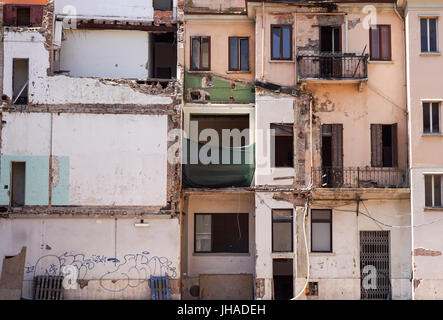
380	42
433	190
163	5
23	16
18	170
281	39
384	145
321	230
238	54
282	231
222	233
283	278
200	53
431	117
428	34
20	80
282	145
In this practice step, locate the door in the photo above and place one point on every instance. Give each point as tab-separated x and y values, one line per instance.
330	45
375	265
332	155
283	278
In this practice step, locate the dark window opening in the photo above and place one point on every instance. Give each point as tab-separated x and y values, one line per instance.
238	54
20	80
380	42
281	42
332	155
23	16
18	182
330	39
282	230
200	53
433	190
384	145
312	289
431	117
221	233
282	145
164	55
321	230
162	5
428	34
283	277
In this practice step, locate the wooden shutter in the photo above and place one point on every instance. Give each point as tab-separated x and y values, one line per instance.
376	145
394	145
337	145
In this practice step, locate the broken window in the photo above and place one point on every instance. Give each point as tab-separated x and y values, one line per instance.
282	145
433	190
282	231
384	145
20	80
380	42
18	179
162	5
221	233
281	42
23	16
321	230
428	31
431	117
200	53
238	54
283	277
164	55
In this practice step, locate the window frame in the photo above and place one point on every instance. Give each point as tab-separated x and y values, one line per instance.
380	41
291	221
200	53
431	106
428	38
432	175
238	69
281	26
219	252
330	221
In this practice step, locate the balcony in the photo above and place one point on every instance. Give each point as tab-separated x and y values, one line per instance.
365	177
345	67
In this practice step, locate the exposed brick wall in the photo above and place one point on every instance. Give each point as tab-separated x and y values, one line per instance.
163	17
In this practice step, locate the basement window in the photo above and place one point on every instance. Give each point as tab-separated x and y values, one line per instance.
221	233
18	179
20	81
433	190
384	145
321	230
162	5
282	145
431	117
283	277
282	231
200	53
238	54
23	16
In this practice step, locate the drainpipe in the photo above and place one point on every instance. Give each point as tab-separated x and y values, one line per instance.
346	34
263	41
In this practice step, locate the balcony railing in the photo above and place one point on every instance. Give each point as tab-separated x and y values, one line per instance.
360	178
332	66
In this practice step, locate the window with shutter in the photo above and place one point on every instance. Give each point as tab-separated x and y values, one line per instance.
384	149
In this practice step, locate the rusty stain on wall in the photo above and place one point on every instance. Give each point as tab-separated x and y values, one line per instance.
426	252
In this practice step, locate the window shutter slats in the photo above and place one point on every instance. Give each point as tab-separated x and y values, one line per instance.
376	145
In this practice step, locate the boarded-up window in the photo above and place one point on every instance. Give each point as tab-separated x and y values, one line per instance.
384	150
238	54
200	53
222	233
18	182
321	230
431	117
380	42
282	145
433	190
282	231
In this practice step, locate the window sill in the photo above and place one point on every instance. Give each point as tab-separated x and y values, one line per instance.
430	54
240	71
381	61
440	209
321	254
221	254
281	61
199	71
439	134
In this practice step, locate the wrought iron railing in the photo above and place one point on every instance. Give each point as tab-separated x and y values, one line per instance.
365	177
332	66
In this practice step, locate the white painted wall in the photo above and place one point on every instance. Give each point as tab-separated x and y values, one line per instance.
63	89
141	252
270	109
104	53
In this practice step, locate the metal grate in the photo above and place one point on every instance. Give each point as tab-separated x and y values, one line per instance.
160	288
374	250
48	288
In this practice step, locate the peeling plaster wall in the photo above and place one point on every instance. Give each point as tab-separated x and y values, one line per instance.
215	6
113	258
44	89
92	53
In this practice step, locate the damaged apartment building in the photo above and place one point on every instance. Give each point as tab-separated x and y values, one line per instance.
91	90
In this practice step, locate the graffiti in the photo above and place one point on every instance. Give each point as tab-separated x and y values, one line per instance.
129	272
